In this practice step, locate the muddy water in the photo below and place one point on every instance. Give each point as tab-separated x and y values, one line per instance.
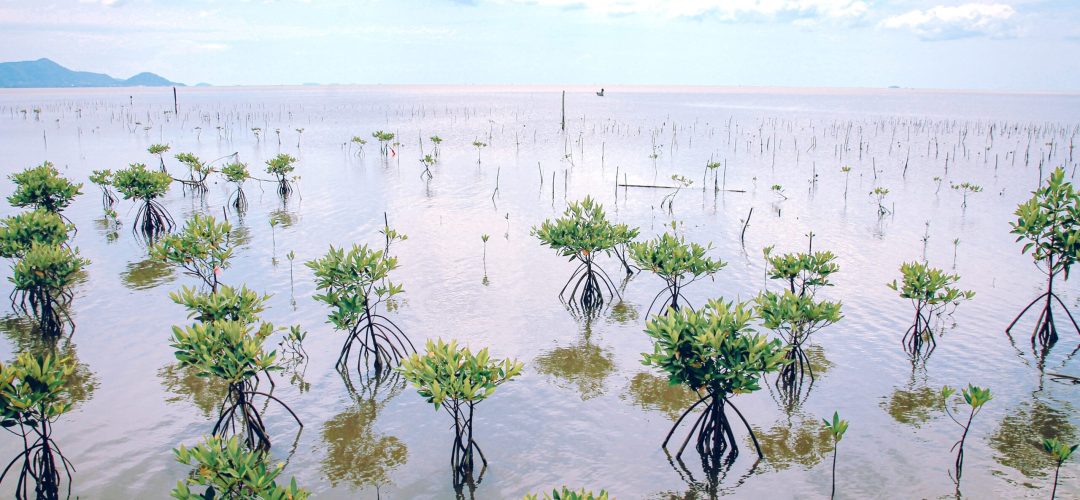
585	412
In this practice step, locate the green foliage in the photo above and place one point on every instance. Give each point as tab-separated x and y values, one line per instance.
281	166
804	272
568	494
383	138
583	231
436	140
19	233
158	149
194	164
353	282
449	373
714	349
202	248
673	259
229	350
974	396
33	389
228	304
795	316
926	285
48	269
236	172
1050	224
230	470
138	182
836	427
43	187
1059	451
101	178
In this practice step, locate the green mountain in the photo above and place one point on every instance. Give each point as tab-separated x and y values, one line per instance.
46	73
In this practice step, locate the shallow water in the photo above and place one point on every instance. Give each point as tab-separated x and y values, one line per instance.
585	412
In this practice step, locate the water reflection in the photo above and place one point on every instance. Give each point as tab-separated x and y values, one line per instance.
797	440
146	274
356	453
623	313
206	393
791	397
914	406
24	336
654	392
582	366
1018	438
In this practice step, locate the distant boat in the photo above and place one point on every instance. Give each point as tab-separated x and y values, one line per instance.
601	93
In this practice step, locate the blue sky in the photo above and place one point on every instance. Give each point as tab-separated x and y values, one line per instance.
1026	45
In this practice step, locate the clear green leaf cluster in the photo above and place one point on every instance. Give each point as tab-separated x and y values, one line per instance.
193	163
236	172
583	230
141	183
203	247
974	396
837	427
1058	450
353	282
227	303
158	149
48	268
33	389
229	350
230	470
714	349
568	494
280	165
101	178
929	285
1050	224
448	372
43	187
672	258
796	316
20	232
803	271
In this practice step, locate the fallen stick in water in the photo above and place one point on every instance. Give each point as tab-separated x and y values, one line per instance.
657	186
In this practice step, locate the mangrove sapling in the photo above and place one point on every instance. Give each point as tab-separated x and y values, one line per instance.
932	293
484	238
711	166
879	194
353	284
568	494
43	187
232	351
427	161
779	191
359	142
975	398
454	379
716	353
20	232
33	396
226	304
384	139
1060	452
795	317
299	135
966	188
847	176
42	281
103	179
281	166
680	182
837	427
581	234
159	150
675	261
146	186
479	146
1050	222
228	469
390	234
202	249
198	171
237	173
802	272
436	140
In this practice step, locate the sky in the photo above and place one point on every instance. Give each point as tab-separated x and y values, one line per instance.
1012	45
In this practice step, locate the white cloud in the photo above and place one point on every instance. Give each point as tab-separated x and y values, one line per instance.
961	21
723	9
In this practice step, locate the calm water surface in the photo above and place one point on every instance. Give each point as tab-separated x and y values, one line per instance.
585	412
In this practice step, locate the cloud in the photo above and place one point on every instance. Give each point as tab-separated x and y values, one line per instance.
721	9
961	21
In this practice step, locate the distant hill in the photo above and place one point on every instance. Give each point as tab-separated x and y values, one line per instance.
46	73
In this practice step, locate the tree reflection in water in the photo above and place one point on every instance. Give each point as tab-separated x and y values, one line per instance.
357	453
582	366
1018	439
